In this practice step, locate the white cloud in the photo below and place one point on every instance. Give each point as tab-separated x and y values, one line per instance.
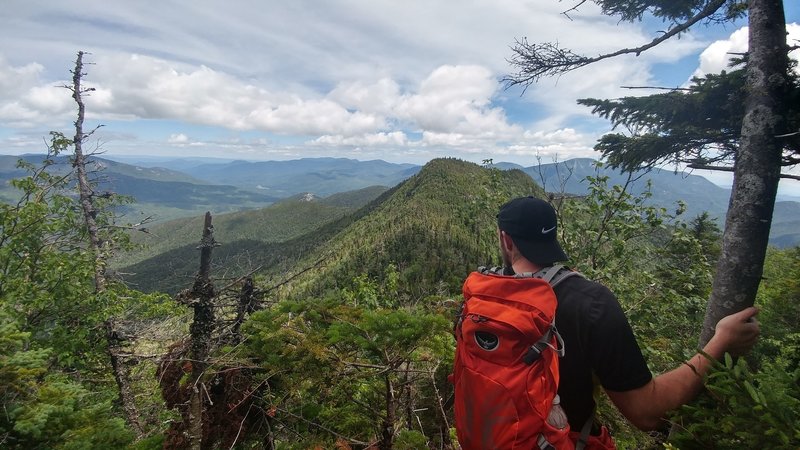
380	97
392	139
455	99
413	78
13	79
25	101
716	57
179	138
450	99
559	144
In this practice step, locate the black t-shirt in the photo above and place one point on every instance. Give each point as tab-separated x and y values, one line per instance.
598	341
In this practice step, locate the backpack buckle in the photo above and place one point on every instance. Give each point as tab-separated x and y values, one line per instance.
535	351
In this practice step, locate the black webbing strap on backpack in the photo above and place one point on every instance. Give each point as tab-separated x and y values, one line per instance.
535	350
553	275
585	431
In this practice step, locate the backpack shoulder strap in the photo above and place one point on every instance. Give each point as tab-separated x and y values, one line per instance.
554	274
495	270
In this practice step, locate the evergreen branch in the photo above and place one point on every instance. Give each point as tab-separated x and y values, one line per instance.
730	169
380	368
321	427
574	8
535	61
659	88
538	60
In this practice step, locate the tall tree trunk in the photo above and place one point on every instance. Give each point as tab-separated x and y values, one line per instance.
115	349
202	296
84	186
114	343
757	168
246	306
387	431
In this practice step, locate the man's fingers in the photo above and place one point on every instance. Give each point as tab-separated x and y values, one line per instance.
747	314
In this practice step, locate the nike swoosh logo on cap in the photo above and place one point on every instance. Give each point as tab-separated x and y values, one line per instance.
547	230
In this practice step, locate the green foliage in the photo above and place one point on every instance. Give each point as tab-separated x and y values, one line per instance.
62	414
658	266
601	230
46	272
410	440
779	298
60	390
672	11
744	409
49	411
700	126
353	364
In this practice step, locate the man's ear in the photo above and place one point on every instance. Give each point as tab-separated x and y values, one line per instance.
506	241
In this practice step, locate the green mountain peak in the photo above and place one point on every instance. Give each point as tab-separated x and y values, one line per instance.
434	228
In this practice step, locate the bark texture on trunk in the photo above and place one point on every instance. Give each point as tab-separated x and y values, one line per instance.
84	186
247	305
757	168
387	428
119	365
200	331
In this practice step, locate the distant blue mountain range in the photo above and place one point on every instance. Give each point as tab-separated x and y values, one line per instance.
189	183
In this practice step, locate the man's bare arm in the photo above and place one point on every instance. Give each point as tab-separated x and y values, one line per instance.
646	406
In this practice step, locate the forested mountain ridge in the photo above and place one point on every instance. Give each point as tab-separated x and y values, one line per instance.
435	227
417	226
8	166
187	188
159	193
321	176
453	186
165	257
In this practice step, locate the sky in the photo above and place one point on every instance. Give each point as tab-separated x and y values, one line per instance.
403	81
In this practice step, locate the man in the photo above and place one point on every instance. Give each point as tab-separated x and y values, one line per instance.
597	337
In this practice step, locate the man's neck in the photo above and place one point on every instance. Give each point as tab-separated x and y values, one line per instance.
522	265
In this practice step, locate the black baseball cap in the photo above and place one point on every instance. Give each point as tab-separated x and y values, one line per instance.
531	223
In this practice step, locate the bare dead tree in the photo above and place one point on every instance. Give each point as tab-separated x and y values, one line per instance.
115	339
247	304
201	299
85	190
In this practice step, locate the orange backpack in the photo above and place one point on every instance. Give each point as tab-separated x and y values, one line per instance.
506	364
